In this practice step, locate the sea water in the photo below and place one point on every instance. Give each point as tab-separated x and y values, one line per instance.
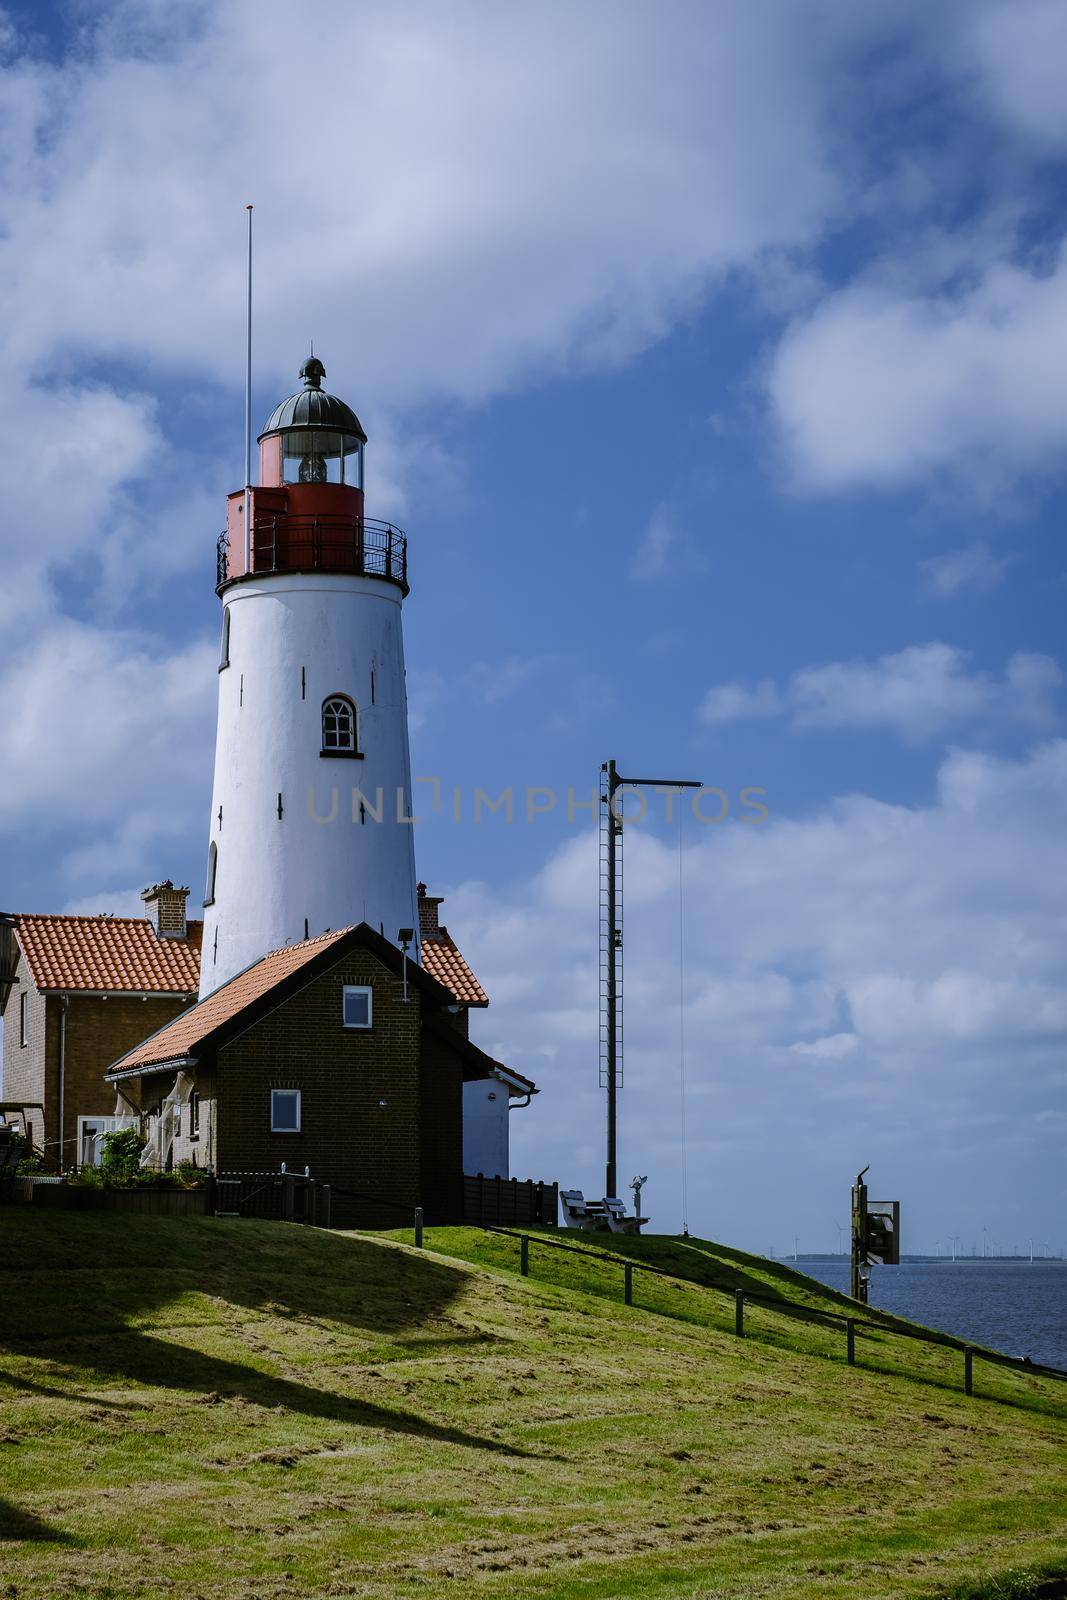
1019	1307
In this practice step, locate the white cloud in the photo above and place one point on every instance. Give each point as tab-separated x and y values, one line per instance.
973	568
873	982
481	201
112	902
883	388
916	693
103	725
1019	51
666	548
735	702
831	1047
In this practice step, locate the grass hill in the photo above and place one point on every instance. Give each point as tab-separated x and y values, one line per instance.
197	1408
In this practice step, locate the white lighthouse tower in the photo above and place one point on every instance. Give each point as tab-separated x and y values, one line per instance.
310	811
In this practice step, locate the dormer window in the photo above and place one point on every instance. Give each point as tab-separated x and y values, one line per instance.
339	727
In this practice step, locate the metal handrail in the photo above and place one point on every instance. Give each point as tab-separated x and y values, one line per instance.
363	546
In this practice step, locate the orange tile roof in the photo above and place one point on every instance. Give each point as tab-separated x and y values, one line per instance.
182	1036
108	953
443	961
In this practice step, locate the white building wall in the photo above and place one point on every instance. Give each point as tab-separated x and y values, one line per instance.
295	640
485	1128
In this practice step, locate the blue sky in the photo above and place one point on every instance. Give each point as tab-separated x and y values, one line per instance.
714	365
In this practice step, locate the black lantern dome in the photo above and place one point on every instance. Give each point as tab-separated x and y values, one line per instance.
321	439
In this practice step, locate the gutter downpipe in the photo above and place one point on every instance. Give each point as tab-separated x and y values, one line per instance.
520	1105
64	1004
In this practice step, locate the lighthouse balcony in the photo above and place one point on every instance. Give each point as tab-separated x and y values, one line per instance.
286	542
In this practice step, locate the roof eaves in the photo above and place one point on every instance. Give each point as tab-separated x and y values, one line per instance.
145	1069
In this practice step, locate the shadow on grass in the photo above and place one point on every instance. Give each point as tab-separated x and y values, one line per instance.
86	1283
21	1526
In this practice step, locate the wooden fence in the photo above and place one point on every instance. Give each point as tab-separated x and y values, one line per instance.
272	1197
146	1201
487	1200
849	1325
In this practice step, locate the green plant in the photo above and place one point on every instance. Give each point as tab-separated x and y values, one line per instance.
86	1178
120	1159
21	1160
188	1175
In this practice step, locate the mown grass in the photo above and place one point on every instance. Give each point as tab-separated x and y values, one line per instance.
199	1408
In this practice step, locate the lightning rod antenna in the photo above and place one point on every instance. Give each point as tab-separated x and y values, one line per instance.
248	405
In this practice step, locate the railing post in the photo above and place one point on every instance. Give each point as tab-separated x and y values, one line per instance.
418	1227
968	1371
739	1313
628	1283
524	1255
288	1198
850	1340
324	1207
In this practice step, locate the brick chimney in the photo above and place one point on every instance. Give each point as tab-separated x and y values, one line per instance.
429	925
164	906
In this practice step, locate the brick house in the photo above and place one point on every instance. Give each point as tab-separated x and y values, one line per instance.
337	1054
75	992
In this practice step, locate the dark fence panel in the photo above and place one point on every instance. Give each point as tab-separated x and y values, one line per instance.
510	1200
143	1202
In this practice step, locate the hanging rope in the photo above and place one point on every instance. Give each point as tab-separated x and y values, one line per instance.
681	1027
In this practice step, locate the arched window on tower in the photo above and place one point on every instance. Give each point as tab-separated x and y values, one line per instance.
212	871
339	727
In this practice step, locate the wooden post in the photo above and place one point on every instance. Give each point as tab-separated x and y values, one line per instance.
418	1227
628	1283
288	1204
850	1336
968	1371
524	1256
324	1207
739	1313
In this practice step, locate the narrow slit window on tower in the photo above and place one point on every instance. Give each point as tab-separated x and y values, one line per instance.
224	648
24	1018
212	872
339	727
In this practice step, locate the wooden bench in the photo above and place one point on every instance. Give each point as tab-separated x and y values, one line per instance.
618	1221
578	1212
606	1216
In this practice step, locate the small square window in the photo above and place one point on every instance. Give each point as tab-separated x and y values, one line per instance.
285	1111
358	1009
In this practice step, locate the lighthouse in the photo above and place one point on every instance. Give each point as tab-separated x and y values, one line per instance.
311	811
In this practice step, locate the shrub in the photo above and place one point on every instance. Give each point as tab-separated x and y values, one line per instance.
22	1161
86	1178
120	1160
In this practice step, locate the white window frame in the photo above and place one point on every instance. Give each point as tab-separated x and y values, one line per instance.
299	1111
194	1114
340	708
24	1018
358	988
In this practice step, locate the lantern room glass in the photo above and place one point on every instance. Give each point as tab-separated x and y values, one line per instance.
319	455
